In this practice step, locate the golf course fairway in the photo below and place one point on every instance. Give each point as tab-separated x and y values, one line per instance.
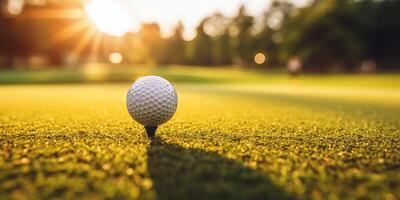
299	140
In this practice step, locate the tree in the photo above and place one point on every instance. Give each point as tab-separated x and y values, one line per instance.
202	46
223	50
175	48
382	39
270	38
323	36
13	40
150	35
217	26
244	42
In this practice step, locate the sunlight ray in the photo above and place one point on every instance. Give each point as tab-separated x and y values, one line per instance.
83	42
69	31
95	47
44	13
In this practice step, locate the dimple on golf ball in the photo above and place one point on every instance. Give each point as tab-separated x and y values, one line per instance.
151	100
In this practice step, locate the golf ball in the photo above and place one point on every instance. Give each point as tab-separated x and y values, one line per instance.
151	100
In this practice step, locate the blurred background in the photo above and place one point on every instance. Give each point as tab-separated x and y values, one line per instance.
65	40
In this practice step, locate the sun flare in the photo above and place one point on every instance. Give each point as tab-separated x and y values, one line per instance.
109	16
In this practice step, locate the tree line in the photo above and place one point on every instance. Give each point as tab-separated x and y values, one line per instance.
326	36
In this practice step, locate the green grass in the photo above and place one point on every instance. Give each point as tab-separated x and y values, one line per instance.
104	73
266	137
100	73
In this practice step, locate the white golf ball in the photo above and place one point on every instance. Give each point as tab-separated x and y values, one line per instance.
151	100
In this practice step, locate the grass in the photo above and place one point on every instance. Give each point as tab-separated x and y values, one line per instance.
120	73
336	137
104	73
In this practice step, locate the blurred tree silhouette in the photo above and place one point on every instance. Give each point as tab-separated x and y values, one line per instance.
175	48
338	35
150	35
382	32
223	52
269	40
217	26
243	41
203	45
13	42
325	42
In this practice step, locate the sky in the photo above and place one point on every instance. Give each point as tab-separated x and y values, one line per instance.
168	13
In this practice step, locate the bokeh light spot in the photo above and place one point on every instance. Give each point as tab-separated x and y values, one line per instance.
260	58
115	58
14	7
294	65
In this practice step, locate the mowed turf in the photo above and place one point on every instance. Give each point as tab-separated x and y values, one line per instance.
302	139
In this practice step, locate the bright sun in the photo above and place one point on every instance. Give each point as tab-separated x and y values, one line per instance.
109	16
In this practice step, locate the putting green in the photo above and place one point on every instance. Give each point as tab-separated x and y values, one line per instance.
238	141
